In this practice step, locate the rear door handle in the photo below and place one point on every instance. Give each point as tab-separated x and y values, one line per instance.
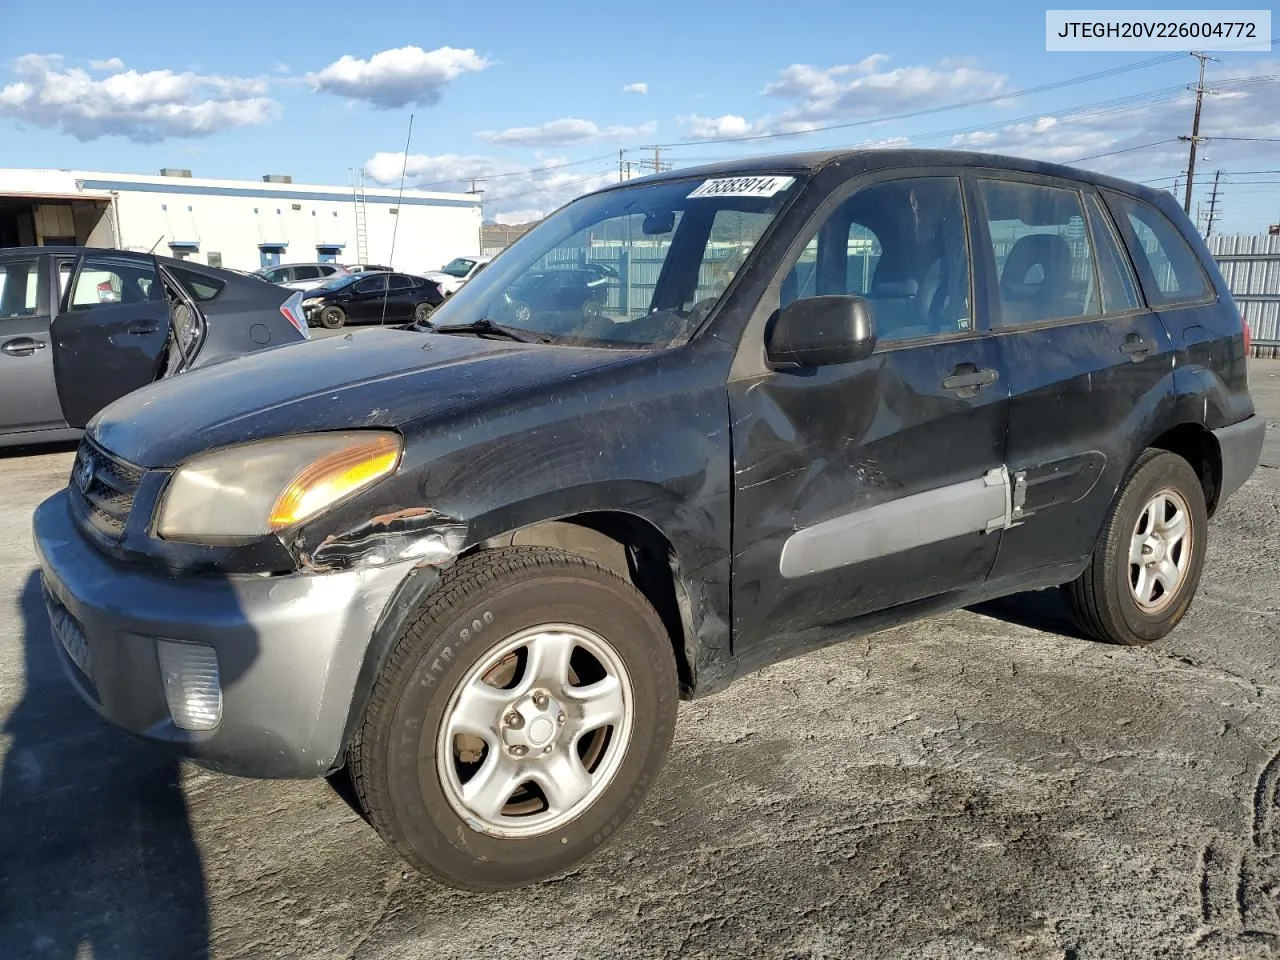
969	379
1134	346
142	329
22	346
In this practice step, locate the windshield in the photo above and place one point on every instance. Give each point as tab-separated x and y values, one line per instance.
639	266
338	282
458	267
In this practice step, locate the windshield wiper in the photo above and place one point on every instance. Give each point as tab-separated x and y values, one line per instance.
485	325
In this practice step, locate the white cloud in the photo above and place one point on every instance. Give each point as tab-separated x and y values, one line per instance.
145	107
817	96
509	190
565	131
641	88
713	128
398	77
112	65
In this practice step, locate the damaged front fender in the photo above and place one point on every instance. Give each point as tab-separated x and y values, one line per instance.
414	533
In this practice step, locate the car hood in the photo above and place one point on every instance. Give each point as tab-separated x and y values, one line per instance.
377	378
439	277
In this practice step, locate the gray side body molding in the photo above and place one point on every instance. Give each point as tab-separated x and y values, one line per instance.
1241	446
972	506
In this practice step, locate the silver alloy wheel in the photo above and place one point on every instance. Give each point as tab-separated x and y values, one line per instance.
1160	550
535	732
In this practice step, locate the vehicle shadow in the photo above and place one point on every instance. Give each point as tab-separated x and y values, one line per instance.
35	449
1037	609
97	857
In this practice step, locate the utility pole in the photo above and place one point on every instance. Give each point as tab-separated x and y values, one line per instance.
657	163
1213	206
621	164
479	192
1195	137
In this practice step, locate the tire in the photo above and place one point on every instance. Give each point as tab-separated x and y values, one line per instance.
1135	604
529	597
332	318
422	312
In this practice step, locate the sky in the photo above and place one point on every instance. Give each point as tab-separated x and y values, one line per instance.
537	101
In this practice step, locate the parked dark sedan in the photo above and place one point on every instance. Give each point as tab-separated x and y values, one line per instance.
372	298
81	327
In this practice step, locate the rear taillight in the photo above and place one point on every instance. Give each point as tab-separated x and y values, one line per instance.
292	310
1248	337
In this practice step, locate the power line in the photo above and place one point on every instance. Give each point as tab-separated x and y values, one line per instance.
974	102
1112	153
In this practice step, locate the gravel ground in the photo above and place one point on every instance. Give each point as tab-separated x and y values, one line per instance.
984	784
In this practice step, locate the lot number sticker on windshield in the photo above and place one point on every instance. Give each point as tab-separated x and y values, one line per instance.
742	187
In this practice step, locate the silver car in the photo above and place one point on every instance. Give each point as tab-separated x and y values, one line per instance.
302	276
82	327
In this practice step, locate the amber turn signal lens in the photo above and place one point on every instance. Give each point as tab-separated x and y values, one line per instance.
332	477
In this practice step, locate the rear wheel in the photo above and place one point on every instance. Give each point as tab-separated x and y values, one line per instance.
332	318
1145	569
519	720
422	311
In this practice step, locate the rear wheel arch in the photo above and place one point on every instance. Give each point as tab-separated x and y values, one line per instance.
1196	444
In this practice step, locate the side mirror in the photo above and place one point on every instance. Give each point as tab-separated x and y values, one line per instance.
819	331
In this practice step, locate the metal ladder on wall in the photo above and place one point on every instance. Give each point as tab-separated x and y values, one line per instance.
362	214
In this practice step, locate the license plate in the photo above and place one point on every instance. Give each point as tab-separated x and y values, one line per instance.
71	635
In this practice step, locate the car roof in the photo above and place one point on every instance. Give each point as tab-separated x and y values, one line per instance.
871	160
77	251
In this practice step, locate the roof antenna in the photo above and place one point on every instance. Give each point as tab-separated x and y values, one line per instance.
156	244
391	260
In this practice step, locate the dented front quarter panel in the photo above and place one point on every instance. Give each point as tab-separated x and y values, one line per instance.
645	434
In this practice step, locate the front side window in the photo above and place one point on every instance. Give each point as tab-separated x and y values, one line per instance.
20	281
105	280
1040	244
638	266
901	245
1170	261
372	284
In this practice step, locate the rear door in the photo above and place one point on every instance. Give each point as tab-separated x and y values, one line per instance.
861	486
28	394
1089	366
401	298
111	331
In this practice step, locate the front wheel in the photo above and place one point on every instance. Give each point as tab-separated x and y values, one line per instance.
332	318
1146	566
520	719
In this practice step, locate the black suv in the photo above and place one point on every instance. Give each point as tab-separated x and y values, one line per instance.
478	563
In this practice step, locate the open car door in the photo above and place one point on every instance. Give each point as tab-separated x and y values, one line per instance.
111	332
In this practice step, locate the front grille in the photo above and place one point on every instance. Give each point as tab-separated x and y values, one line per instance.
105	487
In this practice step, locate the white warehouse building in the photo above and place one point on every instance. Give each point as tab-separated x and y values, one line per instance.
245	224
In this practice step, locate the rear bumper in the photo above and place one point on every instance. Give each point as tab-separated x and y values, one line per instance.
1241	446
289	649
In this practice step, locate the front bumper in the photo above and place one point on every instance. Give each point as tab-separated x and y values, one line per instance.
1241	446
289	648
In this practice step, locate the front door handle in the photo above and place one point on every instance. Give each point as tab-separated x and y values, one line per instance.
1135	347
22	346
142	329
969	377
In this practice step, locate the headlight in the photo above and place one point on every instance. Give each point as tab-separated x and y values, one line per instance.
247	491
312	301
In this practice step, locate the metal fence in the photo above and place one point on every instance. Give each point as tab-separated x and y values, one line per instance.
1251	267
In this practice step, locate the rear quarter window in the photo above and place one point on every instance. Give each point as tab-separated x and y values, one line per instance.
200	287
1170	266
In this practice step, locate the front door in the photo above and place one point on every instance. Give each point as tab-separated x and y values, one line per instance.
28	394
110	334
865	485
1090	368
366	298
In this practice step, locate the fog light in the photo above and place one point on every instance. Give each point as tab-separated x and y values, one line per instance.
191	684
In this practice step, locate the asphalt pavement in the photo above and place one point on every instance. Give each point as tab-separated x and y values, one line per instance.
985	784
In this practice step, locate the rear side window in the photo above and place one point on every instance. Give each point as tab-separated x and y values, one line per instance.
1119	293
199	287
105	280
399	283
1170	262
20	281
307	273
1040	244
